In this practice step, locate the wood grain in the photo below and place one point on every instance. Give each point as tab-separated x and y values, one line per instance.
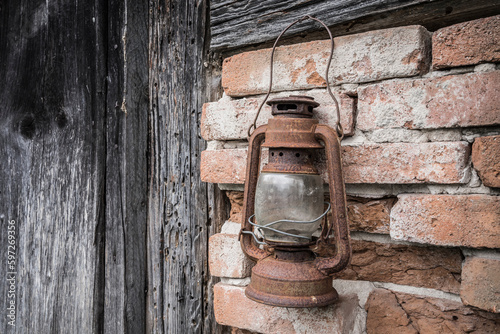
179	289
74	144
125	263
52	93
237	24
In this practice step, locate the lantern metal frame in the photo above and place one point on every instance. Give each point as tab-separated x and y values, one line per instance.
296	274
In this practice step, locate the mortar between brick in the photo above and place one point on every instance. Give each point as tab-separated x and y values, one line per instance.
235	281
384	190
491	254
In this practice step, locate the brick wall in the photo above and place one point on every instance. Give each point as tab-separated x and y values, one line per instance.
421	162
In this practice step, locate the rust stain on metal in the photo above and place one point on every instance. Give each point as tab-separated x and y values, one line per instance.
292	275
291	282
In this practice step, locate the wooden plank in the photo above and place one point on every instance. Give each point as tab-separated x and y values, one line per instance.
52	93
126	167
177	206
238	12
235	24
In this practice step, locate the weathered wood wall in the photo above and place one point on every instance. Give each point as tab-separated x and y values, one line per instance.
126	176
178	206
52	177
99	141
236	24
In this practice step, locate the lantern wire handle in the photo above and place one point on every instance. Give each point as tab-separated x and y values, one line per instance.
339	128
269	228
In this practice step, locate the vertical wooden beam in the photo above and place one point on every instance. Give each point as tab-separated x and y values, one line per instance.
52	93
178	277
126	167
80	146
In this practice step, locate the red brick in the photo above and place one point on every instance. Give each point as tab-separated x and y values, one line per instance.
370	56
369	215
233	308
429	267
407	163
398	163
386	316
226	258
224	166
236	199
229	119
467	43
447	220
444	102
481	284
486	160
391	312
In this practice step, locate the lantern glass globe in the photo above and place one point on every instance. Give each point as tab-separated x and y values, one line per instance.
297	197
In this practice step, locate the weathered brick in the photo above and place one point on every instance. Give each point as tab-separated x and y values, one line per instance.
369	215
386	316
223	166
431	103
230	227
226	258
229	119
233	308
398	163
406	163
481	283
370	56
400	313
486	159
467	43
447	220
236	199
429	267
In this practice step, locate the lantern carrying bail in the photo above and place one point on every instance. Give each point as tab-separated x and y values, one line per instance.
338	125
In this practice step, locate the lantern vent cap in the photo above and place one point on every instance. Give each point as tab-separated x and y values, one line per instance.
293	106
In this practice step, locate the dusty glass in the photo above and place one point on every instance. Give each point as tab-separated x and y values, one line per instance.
296	197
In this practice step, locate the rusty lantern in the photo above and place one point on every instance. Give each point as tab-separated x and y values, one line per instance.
284	202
